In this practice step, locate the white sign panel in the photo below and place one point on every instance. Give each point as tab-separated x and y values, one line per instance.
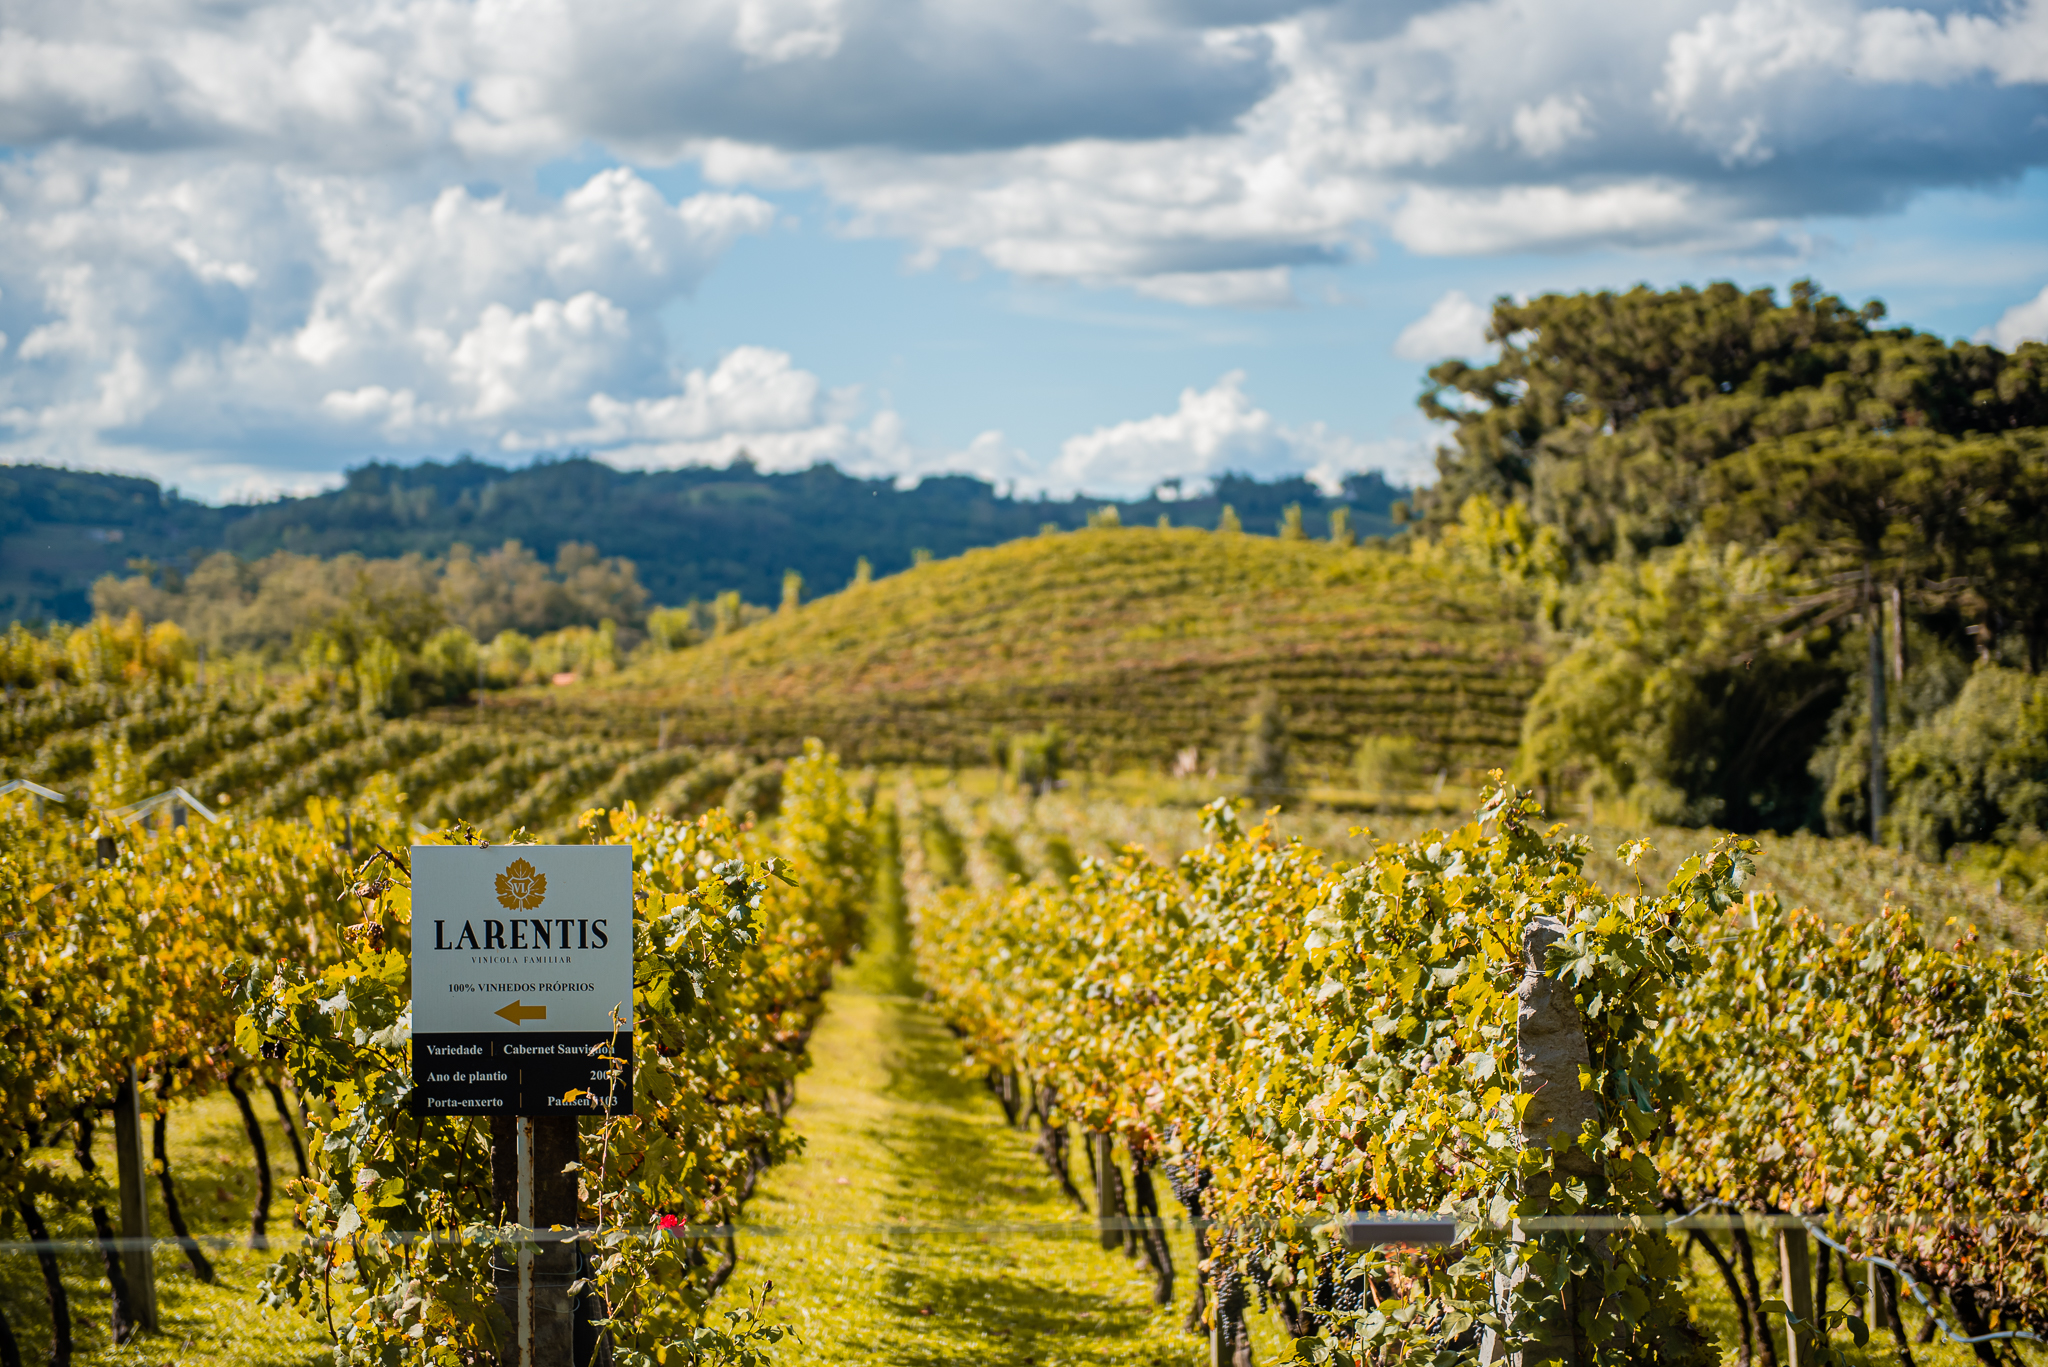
522	978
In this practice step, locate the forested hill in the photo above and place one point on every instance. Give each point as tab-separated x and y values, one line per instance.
692	533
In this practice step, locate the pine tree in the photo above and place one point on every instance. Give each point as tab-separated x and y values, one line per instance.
1340	528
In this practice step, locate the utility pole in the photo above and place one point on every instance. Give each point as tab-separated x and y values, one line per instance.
1874	618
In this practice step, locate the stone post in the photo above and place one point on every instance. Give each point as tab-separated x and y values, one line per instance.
1550	1046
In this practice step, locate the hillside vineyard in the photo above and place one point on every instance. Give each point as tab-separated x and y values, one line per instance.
1139	643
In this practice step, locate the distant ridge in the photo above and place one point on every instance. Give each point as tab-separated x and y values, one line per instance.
1138	643
692	533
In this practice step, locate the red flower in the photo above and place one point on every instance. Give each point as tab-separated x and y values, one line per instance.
670	1222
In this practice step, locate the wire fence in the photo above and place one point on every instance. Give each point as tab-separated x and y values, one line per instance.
1418	1231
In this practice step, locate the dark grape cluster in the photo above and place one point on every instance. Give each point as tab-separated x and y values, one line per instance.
1189	1180
1230	1296
1323	1298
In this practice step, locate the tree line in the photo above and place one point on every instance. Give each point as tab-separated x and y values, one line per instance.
691	533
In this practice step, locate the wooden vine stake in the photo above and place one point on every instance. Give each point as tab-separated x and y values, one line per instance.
1802	1343
138	1260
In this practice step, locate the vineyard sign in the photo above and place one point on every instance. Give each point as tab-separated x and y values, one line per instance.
522	979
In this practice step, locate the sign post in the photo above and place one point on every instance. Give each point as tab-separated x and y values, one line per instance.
522	997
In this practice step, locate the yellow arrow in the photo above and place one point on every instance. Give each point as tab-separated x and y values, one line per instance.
519	1015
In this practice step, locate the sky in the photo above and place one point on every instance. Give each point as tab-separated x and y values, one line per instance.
1075	245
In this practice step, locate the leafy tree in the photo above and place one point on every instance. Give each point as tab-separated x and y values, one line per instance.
1036	759
1680	697
381	682
792	591
1887	476
1227	521
674	628
1977	770
1340	528
1868	518
1924	677
268	605
1267	761
728	613
2004	557
1505	540
449	665
1604	410
1386	766
1291	528
1591	363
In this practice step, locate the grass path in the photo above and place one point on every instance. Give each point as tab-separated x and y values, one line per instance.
896	1144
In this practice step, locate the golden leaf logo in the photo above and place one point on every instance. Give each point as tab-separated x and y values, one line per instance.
521	887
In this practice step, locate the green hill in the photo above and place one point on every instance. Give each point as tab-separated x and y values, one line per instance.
1139	643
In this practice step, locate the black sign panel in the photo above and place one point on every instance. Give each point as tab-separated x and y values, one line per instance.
565	1073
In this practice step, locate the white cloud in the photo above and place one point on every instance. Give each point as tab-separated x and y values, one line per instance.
753	389
341	84
773	31
1213	431
1271	287
1200	152
553	352
1454	326
191	307
2023	322
1548	128
260	486
992	458
1760	43
1558	218
1903	45
1771	77
228	230
758	401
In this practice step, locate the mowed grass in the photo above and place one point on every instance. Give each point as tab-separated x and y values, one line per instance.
219	1324
1140	643
919	1228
